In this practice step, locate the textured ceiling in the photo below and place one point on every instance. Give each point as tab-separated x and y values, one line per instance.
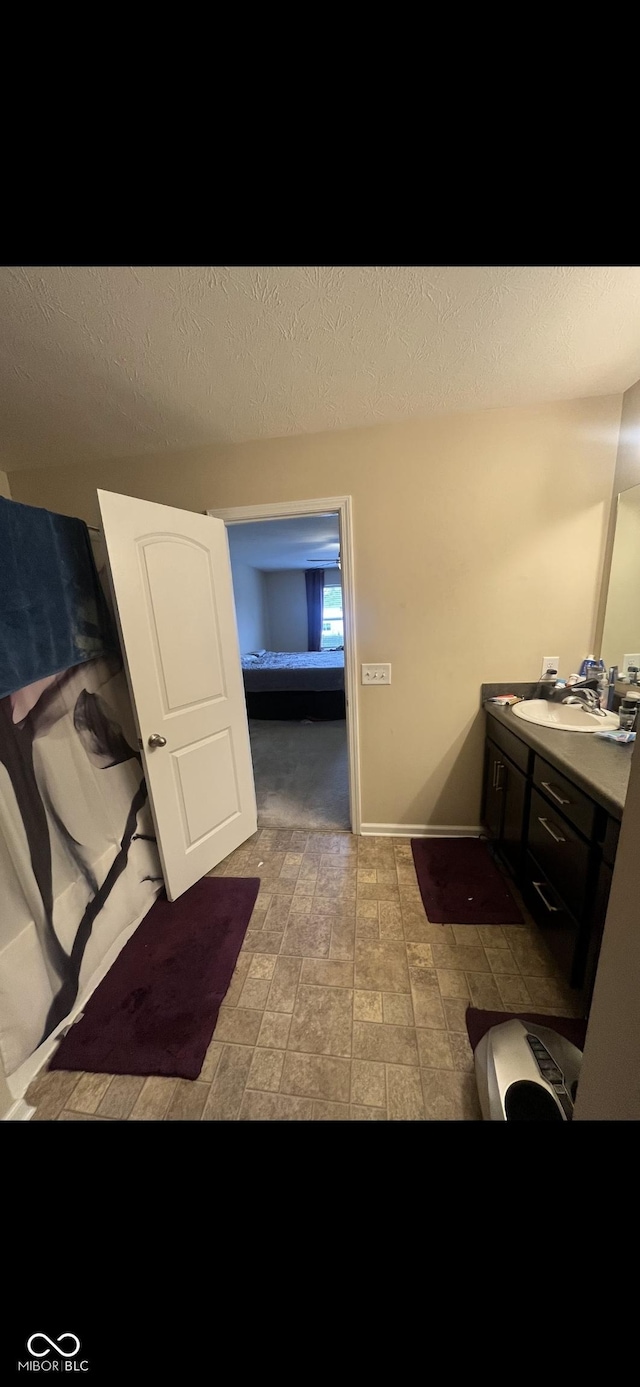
108	362
273	544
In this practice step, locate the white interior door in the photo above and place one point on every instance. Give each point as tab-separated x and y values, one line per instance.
174	598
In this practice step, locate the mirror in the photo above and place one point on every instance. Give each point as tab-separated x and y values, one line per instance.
621	635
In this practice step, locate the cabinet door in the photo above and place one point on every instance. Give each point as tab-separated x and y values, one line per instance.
594	941
493	798
513	821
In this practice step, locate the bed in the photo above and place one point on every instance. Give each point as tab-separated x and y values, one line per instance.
290	685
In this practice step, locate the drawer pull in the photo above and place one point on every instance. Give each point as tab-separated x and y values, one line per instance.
538	886
557	837
550	791
497	767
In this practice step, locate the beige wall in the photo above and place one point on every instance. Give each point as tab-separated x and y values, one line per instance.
479	542
287	607
249	591
5	489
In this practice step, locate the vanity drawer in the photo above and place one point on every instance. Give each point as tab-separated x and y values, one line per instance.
565	796
518	751
557	925
562	854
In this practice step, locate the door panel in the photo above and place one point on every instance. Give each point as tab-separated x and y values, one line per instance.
174	600
180	599
208	785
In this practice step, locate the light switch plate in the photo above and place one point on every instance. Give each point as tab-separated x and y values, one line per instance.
376	674
630	660
550	662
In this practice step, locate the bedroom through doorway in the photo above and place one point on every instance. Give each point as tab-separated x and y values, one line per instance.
287	574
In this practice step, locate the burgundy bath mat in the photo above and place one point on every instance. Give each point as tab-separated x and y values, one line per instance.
479	1022
460	885
156	1010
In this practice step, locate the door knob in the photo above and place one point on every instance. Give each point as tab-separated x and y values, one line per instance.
156	740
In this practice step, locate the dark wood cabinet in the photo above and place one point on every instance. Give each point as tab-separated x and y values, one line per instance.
559	845
560	929
594	937
515	796
493	798
504	804
561	852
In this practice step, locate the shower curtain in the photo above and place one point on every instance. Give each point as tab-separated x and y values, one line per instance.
78	862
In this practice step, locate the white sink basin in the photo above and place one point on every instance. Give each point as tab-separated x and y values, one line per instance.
565	717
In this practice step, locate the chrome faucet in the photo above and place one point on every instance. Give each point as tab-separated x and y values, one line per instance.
587	699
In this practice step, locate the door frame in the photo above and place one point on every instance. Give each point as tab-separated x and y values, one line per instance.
342	506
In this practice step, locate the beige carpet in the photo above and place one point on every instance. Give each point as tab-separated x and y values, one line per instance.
301	774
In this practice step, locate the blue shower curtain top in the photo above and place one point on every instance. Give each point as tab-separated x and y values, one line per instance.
53	613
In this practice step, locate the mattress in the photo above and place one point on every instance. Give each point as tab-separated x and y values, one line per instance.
282	671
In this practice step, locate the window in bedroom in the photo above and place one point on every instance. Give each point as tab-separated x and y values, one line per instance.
332	627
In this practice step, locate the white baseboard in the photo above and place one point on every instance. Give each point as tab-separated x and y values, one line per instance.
422	830
18	1112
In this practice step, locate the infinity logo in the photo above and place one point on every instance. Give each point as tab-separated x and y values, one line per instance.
53	1345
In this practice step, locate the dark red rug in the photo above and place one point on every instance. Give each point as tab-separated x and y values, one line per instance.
479	1022
460	884
156	1010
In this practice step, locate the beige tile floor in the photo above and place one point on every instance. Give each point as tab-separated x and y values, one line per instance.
346	1003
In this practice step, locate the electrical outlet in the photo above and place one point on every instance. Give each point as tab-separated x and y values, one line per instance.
630	660
550	662
376	674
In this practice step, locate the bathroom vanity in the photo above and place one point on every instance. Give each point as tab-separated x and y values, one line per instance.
552	804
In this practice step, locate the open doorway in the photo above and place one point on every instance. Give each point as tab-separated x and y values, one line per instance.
293	588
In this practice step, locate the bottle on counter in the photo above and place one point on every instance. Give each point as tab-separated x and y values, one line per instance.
628	712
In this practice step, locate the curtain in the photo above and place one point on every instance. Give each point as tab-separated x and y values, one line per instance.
78	861
314	579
